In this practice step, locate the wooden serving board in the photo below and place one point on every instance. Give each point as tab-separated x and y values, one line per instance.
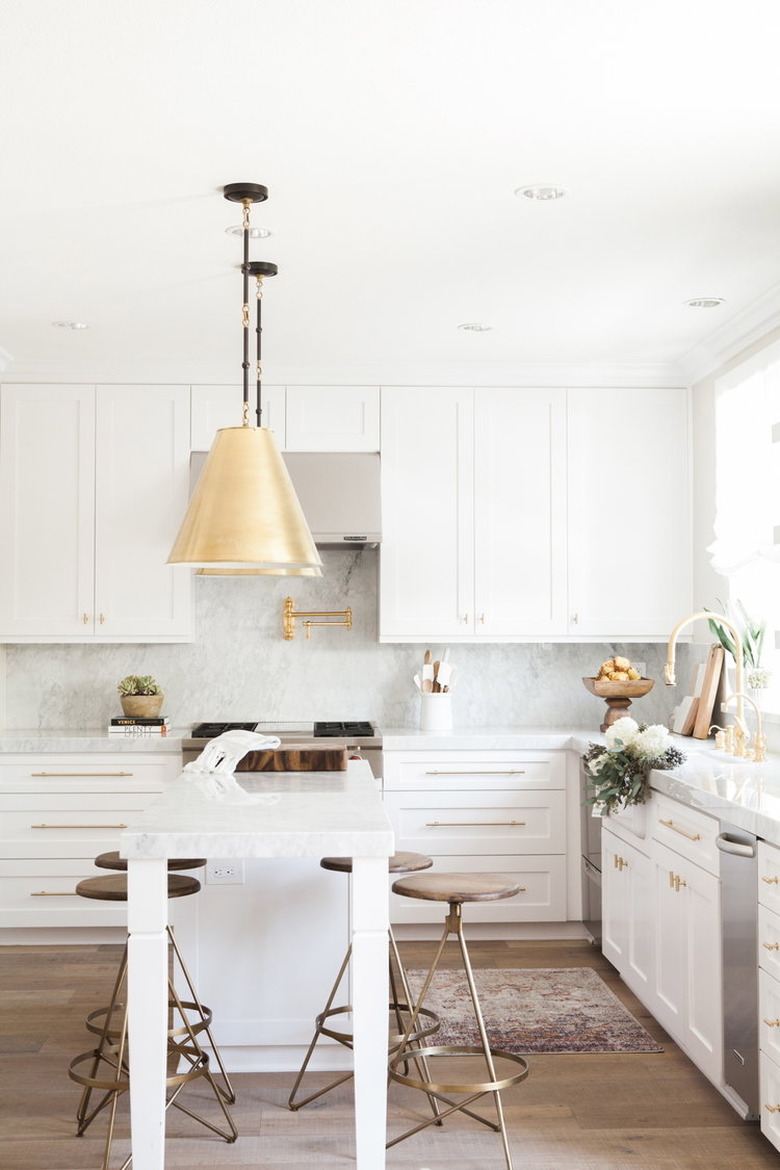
296	757
705	714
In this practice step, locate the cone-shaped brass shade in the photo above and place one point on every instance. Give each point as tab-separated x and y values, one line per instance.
244	512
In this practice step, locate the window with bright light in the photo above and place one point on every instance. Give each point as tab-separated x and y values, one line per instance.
746	549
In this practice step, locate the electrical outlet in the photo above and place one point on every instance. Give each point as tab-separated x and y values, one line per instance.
225	873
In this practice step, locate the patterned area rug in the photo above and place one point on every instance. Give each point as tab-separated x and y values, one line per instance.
540	1010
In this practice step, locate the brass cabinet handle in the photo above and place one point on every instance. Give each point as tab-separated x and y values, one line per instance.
54	894
85	618
78	826
675	881
79	775
102	619
671	825
772	881
472	824
772	1108
476	772
772	1023
620	863
771	946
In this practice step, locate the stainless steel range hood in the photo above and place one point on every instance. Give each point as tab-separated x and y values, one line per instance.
338	491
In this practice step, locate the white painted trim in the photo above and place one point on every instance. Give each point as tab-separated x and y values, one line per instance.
745	328
5	359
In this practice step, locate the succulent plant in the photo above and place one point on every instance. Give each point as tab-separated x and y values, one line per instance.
138	684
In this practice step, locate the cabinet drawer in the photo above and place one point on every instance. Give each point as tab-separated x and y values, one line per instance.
769	1014
542	897
631	823
687	831
43	894
69	825
449	823
769	941
474	769
118	772
770	1099
769	876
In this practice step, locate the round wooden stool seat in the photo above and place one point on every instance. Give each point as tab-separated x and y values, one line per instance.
458	887
113	887
114	861
402	862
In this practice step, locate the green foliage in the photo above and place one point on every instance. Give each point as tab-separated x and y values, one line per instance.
618	778
138	684
751	632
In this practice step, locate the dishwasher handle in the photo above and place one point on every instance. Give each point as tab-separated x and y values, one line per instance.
738	848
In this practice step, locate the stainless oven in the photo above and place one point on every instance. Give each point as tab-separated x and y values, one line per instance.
361	737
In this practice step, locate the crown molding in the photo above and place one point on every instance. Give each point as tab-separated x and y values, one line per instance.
748	327
377	373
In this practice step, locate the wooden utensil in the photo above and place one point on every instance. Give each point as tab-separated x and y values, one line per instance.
436	683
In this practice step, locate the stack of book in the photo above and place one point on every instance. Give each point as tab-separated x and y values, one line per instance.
132	725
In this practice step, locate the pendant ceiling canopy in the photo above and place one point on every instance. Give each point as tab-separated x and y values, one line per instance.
244	518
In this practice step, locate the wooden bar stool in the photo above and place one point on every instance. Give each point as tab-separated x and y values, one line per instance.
400	999
108	1070
114	861
455	889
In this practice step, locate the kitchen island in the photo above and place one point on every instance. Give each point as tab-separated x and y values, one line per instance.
259	815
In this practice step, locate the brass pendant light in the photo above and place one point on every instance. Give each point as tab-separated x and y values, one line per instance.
244	518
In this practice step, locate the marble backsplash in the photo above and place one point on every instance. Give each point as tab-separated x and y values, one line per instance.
240	666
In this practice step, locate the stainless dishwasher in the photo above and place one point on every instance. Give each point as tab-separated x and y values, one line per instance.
739	919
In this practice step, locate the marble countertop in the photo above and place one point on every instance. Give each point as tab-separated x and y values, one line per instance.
26	740
264	814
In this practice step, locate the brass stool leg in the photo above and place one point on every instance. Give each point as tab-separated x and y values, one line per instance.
454	925
226	1089
319	1030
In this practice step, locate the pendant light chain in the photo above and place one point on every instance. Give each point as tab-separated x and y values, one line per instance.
245	311
259	361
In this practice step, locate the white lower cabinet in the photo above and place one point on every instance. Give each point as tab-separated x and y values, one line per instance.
478	812
57	813
769	989
662	923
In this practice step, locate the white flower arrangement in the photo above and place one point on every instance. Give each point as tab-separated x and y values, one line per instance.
758	679
619	769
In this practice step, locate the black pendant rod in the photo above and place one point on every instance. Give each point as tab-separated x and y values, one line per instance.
245	315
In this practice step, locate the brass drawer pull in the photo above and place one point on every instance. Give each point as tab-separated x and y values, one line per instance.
54	894
771	881
771	946
79	775
78	826
620	863
772	1023
772	1108
473	824
671	825
480	772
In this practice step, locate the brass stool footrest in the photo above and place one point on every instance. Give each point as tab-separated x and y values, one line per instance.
198	1060
199	1024
409	1055
394	1039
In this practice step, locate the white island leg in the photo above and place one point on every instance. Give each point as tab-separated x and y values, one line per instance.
370	900
147	916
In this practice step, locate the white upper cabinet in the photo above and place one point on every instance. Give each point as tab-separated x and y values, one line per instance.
93	486
216	407
332	418
534	514
629	512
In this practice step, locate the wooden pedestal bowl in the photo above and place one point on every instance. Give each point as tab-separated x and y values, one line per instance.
618	695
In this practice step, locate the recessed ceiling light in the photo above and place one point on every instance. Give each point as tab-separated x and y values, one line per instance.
70	325
475	327
255	233
542	191
705	302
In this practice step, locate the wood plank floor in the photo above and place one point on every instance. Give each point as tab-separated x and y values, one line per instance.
637	1112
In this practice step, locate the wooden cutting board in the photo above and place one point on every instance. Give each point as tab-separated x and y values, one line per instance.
296	757
705	714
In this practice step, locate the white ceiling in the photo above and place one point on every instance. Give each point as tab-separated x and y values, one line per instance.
391	135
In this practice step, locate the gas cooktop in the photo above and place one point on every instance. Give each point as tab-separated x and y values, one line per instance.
330	729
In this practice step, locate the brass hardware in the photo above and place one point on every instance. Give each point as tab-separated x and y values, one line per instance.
465	619
80	774
678	881
671	880
85	618
620	863
102	619
290	614
483	772
78	826
771	946
772	1023
53	894
482	619
575	619
772	1108
771	881
671	825
473	824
